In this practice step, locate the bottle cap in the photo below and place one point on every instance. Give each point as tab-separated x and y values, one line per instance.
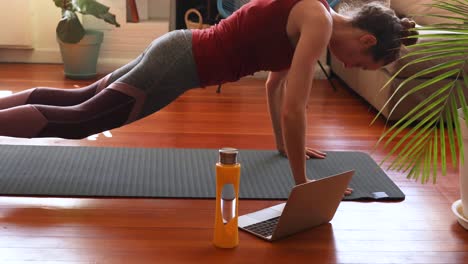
228	156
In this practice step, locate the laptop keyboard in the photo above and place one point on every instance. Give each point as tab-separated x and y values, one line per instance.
264	228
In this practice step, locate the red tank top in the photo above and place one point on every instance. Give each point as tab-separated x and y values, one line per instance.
254	38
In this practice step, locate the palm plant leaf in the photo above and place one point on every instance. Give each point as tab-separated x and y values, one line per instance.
442	148
455	119
451	133
456	29
430	70
447	35
457	19
415	171
413	144
406	122
415	113
423	85
419	74
435	151
461	99
425	134
452	6
427	163
461	5
451	51
465	79
447	25
445	42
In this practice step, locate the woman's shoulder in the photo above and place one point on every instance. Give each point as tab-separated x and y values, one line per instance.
311	14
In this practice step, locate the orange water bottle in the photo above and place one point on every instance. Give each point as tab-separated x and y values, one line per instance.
226	233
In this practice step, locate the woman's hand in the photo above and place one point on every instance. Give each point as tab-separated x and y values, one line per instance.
348	191
314	154
310	153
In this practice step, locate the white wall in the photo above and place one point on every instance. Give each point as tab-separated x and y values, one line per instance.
16	29
159	9
44	18
125	43
119	47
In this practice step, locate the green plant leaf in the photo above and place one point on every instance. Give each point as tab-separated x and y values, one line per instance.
462	102
451	136
69	29
435	155
414	115
428	121
411	157
443	25
65	5
409	162
447	54
427	163
456	124
423	59
461	5
448	43
440	49
443	159
451	30
414	173
455	19
415	143
442	35
416	75
432	127
423	85
429	109
92	7
450	7
465	79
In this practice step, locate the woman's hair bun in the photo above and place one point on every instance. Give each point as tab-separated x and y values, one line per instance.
407	26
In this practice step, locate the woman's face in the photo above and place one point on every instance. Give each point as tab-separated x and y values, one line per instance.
355	54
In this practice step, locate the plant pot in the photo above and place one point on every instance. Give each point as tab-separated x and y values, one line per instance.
80	59
463	171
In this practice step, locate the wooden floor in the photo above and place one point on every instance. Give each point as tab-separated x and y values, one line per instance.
421	229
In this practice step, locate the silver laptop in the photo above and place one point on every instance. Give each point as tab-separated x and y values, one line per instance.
310	204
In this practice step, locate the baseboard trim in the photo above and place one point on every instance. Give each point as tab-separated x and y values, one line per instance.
105	65
30	55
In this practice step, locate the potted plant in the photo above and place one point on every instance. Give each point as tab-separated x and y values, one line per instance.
80	47
440	121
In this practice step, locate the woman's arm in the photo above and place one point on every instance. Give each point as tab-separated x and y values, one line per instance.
315	32
274	88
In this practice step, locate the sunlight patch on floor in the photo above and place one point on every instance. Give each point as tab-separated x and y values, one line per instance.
5	93
94	137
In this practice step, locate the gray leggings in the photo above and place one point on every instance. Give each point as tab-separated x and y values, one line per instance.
164	71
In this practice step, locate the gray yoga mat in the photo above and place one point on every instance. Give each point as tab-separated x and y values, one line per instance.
175	173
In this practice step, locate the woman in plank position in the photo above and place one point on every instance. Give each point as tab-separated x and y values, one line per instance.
285	37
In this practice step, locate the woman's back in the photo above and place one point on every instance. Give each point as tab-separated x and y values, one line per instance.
253	38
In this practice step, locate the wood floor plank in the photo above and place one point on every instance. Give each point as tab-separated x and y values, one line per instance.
421	229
